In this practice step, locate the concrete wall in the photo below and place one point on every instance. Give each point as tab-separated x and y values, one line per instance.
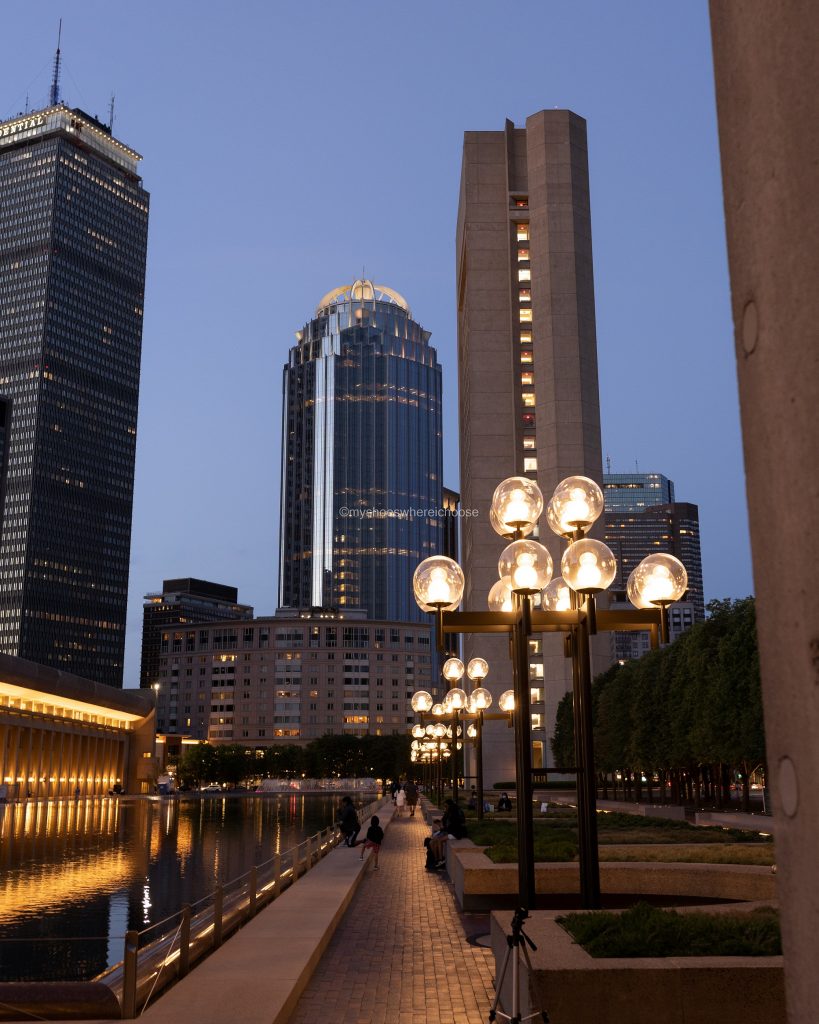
767	82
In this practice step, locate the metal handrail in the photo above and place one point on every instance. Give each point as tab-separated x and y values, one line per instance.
204	931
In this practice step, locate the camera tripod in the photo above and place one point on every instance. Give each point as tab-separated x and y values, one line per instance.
516	944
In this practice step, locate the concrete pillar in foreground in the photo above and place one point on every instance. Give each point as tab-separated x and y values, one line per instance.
767	79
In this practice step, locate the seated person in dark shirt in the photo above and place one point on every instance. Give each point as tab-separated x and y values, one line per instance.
453	826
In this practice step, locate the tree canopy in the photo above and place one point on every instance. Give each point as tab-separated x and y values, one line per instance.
690	713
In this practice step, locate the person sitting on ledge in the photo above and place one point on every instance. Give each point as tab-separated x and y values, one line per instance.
504	804
451	826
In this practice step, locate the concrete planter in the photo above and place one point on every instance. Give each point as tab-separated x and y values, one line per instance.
575	988
482	885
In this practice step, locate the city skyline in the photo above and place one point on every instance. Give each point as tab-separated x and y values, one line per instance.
227	279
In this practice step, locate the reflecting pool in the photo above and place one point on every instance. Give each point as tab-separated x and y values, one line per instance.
76	875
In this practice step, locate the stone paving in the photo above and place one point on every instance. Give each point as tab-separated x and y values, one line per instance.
401	954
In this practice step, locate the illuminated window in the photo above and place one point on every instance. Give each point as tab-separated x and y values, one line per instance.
525	294
526	355
528	398
523	255
524	274
537	755
528	443
527	378
522	231
525	336
521	203
526	315
529	465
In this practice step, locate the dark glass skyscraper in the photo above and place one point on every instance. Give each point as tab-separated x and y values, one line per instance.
361	456
642	517
73	238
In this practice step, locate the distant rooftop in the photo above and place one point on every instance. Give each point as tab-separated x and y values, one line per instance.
363	291
75	123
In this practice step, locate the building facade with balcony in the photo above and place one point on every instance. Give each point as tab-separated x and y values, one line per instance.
292	677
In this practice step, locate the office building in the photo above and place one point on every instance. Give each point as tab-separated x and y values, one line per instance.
292	677
181	603
527	363
631	492
73	236
641	517
361	479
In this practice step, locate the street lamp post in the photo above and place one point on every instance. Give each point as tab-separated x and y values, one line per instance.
567	605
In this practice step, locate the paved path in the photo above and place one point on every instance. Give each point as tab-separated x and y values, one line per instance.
400	956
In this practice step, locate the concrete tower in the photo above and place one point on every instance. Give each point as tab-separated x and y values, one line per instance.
527	357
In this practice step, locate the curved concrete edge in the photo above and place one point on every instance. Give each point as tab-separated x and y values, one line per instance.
260	972
479	883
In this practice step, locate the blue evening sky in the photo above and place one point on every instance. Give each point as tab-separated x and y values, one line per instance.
289	145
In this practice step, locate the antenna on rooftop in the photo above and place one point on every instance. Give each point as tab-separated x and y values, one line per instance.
111	112
55	80
608	465
636	467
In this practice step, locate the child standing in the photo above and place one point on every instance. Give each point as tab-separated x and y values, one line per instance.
375	837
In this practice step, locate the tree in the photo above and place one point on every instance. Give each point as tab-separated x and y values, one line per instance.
198	765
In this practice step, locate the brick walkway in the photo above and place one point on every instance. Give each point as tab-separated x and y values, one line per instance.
400	956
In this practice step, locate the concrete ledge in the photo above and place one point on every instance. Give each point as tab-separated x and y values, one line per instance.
259	973
482	885
575	988
748	822
673	812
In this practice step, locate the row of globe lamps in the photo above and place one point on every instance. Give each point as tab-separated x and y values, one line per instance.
525	567
566	604
456	705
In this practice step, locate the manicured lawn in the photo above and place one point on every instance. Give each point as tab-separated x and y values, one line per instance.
556	840
697	853
648	931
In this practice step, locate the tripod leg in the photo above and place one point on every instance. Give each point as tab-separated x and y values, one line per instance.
543	1014
499	985
515	1018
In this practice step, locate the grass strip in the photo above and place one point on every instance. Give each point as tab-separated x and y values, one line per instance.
646	931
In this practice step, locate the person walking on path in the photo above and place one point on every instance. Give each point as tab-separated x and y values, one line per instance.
411	793
400	801
375	837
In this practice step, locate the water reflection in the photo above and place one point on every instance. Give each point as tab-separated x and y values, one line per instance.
88	870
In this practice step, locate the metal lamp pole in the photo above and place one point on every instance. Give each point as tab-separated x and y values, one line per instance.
567	605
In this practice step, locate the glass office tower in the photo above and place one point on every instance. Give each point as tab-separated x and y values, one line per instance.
73	238
361	456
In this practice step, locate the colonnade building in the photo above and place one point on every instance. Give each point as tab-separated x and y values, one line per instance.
61	735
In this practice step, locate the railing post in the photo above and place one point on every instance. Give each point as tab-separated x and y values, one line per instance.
185	941
218	905
251	892
277	874
129	975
